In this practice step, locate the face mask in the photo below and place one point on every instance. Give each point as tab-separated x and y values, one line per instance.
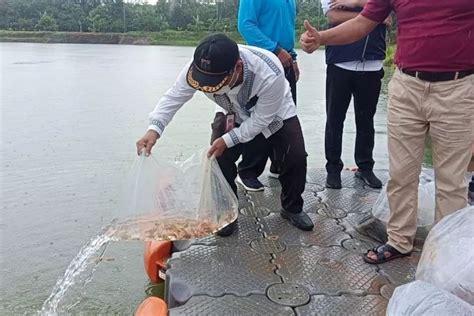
227	88
223	90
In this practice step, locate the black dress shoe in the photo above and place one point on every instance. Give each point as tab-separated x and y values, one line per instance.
369	178
228	230
300	220
333	180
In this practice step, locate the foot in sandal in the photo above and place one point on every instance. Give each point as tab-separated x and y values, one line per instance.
383	254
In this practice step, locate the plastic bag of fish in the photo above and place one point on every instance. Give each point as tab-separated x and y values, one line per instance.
175	201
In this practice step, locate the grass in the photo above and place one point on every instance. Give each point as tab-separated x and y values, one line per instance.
389	57
428	154
168	37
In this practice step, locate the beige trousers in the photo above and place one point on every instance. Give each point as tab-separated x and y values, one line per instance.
445	110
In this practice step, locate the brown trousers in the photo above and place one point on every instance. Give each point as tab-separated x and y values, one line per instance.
445	111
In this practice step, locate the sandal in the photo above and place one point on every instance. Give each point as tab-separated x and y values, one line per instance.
381	251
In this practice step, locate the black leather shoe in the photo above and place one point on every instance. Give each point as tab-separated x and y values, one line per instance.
300	220
369	178
228	230
333	180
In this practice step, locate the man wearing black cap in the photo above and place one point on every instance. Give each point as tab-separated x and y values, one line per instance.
249	84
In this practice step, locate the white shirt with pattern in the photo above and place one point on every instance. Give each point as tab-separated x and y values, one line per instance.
263	77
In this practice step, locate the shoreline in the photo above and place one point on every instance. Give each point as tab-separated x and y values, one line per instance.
165	38
169	37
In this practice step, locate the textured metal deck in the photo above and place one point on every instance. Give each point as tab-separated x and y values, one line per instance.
268	267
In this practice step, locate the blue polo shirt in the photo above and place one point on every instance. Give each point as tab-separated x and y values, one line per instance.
268	24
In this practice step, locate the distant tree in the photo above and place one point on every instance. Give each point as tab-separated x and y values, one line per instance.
311	11
46	23
227	9
106	17
25	24
136	15
145	18
179	18
8	16
99	19
71	17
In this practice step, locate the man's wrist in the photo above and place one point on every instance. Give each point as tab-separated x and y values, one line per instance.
322	38
155	129
228	140
292	54
277	50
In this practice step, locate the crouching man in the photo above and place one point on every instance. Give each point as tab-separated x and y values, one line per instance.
249	84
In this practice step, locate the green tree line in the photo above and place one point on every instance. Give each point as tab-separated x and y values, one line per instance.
118	16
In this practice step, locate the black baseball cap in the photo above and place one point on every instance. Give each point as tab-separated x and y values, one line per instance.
214	59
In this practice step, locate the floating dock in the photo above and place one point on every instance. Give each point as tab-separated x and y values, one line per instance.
268	267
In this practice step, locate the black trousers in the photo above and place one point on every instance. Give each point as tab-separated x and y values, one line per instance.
254	159
341	85
288	151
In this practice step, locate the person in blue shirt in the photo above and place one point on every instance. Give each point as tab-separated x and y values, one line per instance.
267	24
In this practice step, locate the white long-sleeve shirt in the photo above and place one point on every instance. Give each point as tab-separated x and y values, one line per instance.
263	78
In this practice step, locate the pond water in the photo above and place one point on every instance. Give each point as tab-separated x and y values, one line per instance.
70	116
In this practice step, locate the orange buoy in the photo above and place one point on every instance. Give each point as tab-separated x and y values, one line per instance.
152	306
156	255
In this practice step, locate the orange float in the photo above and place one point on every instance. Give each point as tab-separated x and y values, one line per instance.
156	255
152	306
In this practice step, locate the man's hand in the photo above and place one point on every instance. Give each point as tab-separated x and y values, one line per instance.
285	58
217	148
311	39
342	4
388	21
297	70
147	142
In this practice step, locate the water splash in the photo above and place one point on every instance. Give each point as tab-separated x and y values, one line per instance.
77	266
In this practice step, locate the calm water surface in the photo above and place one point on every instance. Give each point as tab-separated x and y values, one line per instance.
70	116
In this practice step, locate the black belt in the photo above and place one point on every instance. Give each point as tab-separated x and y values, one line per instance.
437	76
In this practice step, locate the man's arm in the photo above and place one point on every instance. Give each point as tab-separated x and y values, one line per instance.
247	23
348	32
180	93
336	12
375	12
338	16
268	98
345	33
164	111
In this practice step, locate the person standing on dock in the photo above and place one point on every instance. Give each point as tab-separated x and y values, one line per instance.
432	91
250	85
267	24
353	71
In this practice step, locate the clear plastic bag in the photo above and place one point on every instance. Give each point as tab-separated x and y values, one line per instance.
175	201
447	260
421	298
426	205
